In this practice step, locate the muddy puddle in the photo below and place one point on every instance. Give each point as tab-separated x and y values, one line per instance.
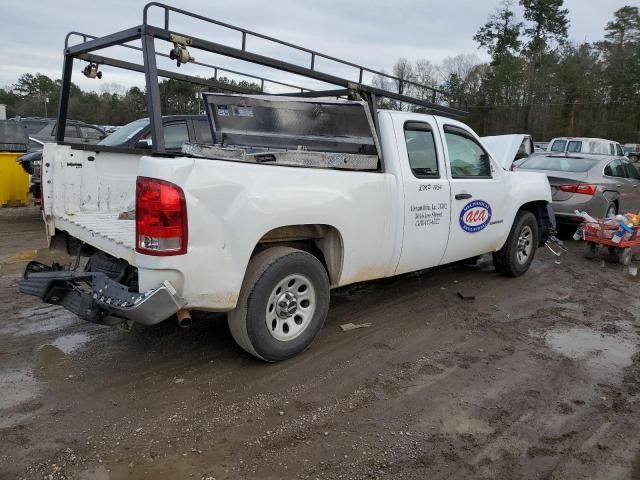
72	342
604	355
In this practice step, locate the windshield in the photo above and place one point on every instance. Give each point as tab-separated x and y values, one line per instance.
124	134
558	164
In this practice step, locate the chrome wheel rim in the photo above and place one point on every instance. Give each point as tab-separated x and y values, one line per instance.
611	211
525	245
291	307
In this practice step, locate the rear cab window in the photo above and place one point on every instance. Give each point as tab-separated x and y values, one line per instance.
421	150
558	146
70	131
176	134
91	133
574	146
203	132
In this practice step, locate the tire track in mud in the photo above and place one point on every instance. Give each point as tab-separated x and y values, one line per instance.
437	387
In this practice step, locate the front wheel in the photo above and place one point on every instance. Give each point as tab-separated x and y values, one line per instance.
283	303
515	257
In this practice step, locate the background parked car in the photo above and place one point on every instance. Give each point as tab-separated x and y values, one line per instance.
44	129
601	185
632	150
585	145
178	129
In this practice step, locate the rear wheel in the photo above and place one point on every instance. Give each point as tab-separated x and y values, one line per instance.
612	210
515	257
283	304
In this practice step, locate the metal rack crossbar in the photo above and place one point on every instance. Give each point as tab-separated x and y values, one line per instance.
101	60
148	34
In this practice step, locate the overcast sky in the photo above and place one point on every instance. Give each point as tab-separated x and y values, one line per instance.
373	32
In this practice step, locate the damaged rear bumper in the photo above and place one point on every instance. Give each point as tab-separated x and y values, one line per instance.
95	297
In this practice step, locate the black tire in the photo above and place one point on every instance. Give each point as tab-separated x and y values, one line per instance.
506	260
591	250
248	322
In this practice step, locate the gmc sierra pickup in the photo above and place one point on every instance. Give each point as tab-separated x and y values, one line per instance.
292	197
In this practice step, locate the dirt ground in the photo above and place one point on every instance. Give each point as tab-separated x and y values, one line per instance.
537	377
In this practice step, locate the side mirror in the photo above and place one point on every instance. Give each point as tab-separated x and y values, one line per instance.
144	143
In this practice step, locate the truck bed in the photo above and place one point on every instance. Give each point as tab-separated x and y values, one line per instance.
108	232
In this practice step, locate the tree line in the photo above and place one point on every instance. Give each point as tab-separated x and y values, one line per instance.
537	81
37	95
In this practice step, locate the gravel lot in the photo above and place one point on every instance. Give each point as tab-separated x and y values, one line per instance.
537	377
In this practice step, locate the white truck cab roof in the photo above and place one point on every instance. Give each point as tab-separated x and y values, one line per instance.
585	145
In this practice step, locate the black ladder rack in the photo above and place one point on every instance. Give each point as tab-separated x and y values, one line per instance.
148	33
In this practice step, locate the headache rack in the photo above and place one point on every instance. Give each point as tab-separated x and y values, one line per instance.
341	86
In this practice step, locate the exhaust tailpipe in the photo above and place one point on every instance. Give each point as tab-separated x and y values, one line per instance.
184	318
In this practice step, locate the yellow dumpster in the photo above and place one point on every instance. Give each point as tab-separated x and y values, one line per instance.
14	181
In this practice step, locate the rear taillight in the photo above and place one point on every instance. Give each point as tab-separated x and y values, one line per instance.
583	188
161	218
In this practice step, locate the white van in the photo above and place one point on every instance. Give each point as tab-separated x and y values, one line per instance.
585	145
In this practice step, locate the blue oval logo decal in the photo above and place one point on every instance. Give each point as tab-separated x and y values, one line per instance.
475	216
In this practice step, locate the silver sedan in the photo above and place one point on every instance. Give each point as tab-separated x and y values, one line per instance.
601	185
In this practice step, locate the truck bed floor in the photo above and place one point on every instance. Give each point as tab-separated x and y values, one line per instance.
108	233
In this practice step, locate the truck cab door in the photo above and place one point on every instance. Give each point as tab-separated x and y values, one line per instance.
478	195
427	195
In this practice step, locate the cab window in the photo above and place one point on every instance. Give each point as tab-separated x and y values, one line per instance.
175	135
70	131
421	150
574	146
91	133
203	131
558	146
619	150
467	158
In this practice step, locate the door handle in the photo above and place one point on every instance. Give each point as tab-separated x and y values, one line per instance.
618	185
463	196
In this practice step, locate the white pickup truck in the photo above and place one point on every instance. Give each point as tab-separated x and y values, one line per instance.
296	197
